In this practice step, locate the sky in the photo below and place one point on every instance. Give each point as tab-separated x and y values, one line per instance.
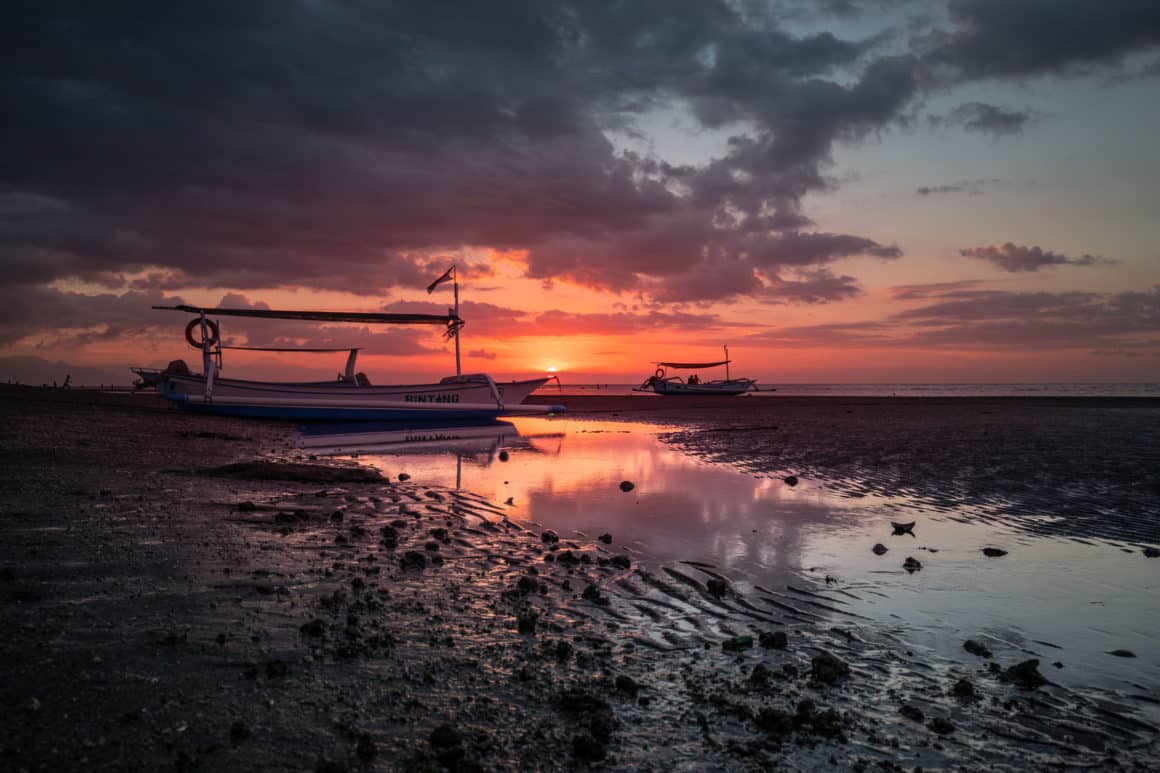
837	190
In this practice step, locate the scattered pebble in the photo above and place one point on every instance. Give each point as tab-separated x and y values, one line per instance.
911	565
1123	653
790	480
976	648
879	549
994	552
627	485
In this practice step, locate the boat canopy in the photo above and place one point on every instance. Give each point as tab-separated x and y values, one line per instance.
293	349
693	365
369	318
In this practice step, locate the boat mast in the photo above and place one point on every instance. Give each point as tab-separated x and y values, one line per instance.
726	362
455	284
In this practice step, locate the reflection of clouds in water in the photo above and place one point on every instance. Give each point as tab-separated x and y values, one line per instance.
682	508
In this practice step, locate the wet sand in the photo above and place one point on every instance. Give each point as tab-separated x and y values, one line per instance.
192	593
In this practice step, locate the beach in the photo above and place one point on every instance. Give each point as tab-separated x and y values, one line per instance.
200	593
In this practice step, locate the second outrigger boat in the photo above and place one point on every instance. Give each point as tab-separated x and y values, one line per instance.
664	384
462	397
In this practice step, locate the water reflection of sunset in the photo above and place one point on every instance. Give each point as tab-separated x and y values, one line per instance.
565	475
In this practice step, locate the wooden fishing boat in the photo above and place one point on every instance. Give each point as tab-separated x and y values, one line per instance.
676	386
350	397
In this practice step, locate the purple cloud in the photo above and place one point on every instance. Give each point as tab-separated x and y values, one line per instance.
1015	258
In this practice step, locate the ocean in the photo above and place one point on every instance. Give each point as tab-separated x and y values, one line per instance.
1143	389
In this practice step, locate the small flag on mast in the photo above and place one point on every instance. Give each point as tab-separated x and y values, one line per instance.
446	276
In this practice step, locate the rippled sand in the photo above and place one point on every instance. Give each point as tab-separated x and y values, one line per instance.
161	611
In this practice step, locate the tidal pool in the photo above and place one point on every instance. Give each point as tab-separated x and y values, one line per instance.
1061	600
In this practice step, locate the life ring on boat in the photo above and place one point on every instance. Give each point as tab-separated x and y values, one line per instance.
660	373
214	333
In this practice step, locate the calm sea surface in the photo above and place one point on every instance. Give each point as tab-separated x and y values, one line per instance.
900	390
1061	599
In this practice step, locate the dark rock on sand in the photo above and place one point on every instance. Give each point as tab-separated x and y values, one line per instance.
526	622
964	690
627	485
314	628
828	668
588	749
737	643
365	748
941	726
902	528
1152	552
911	565
627	685
247	507
1123	653
790	480
567	557
445	737
622	561
976	648
994	552
404	476
503	456
390	536
760	676
773	641
1024	675
413	559
605	538
912	713
718	587
549	537
593	594
879	549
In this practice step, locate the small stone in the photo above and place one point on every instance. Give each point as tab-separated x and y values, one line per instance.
994	552
1123	653
976	648
911	712
366	747
1025	675
445	737
549	537
313	628
413	559
239	732
1152	552
503	456
964	690
404	476
605	538
718	587
773	641
737	643
790	480
624	562
627	485
588	749
627	685
879	549
942	726
247	507
828	669
276	669
911	565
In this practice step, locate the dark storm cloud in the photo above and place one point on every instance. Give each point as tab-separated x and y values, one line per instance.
985	119
1004	39
1016	258
339	145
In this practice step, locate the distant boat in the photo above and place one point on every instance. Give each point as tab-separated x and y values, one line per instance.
664	384
350	397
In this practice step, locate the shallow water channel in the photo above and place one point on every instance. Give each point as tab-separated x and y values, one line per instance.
1064	601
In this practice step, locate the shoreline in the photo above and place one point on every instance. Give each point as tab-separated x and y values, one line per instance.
240	621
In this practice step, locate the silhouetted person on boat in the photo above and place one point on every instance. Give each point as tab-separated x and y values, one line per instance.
694	380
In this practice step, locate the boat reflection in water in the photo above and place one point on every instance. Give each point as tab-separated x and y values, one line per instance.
479	443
